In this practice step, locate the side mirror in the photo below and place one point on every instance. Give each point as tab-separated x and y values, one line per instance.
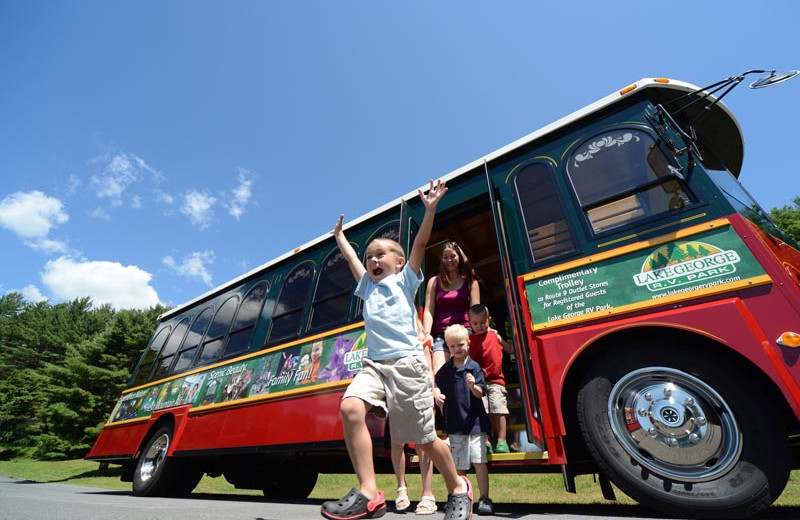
774	78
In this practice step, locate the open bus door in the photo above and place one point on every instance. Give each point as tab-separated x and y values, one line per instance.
527	390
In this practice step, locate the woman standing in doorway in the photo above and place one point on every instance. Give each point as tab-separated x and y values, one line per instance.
448	297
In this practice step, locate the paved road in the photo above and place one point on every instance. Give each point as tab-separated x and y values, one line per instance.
21	500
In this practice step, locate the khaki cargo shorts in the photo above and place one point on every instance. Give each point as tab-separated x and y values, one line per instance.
402	389
496	399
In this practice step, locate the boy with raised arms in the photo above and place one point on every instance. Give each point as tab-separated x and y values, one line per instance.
394	379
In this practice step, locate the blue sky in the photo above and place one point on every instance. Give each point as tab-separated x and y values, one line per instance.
150	151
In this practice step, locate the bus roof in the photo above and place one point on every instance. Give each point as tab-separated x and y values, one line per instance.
719	130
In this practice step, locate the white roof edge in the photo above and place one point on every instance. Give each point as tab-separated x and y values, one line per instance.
551	127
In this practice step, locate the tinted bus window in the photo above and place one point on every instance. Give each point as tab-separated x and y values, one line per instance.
334	288
249	311
286	319
545	221
212	345
193	337
149	356
621	176
167	353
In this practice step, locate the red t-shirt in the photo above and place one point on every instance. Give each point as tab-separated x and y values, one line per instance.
487	351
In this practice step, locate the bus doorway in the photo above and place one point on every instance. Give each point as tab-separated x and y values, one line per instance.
471	225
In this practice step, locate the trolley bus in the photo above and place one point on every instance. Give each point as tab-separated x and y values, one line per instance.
653	306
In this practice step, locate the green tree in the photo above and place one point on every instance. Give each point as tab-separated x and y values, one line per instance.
788	219
62	368
82	389
20	395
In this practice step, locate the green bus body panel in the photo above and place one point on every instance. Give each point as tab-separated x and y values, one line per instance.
713	261
272	373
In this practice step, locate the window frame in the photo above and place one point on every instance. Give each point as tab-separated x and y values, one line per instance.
251	325
296	310
208	340
584	209
162	355
317	302
564	211
142	359
184	348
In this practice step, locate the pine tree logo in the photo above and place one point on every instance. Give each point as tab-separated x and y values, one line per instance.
677	264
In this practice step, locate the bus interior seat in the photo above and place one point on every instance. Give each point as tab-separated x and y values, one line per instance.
616	213
551	239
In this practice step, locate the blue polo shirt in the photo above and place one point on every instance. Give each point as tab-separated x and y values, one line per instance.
464	413
389	314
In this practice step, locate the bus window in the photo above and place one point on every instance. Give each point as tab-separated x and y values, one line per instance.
193	337
166	356
245	322
291	303
548	233
212	345
149	356
332	298
621	176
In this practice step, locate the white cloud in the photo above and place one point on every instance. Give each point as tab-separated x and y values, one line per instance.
241	194
120	172
48	246
73	184
32	293
199	207
100	214
163	197
192	266
124	287
31	214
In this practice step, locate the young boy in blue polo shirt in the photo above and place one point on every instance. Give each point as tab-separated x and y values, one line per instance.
394	378
460	387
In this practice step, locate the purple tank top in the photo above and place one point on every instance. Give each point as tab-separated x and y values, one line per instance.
452	307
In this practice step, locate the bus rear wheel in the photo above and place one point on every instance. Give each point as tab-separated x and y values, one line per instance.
679	433
156	474
291	483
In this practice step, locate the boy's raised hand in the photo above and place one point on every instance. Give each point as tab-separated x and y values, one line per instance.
338	227
434	195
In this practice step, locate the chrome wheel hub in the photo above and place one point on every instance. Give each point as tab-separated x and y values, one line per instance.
154	457
674	424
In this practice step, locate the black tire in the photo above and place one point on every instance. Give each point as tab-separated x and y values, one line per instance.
157	475
292	484
187	476
679	431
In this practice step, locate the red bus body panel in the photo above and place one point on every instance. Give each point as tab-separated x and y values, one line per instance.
285	422
747	321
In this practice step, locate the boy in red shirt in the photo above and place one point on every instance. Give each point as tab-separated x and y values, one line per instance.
486	348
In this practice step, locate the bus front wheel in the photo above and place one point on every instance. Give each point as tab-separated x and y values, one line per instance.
159	475
678	431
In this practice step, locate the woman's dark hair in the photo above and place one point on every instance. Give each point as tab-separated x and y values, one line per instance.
465	269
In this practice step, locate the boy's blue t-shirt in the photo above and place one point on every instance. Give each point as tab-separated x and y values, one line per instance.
464	414
389	314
